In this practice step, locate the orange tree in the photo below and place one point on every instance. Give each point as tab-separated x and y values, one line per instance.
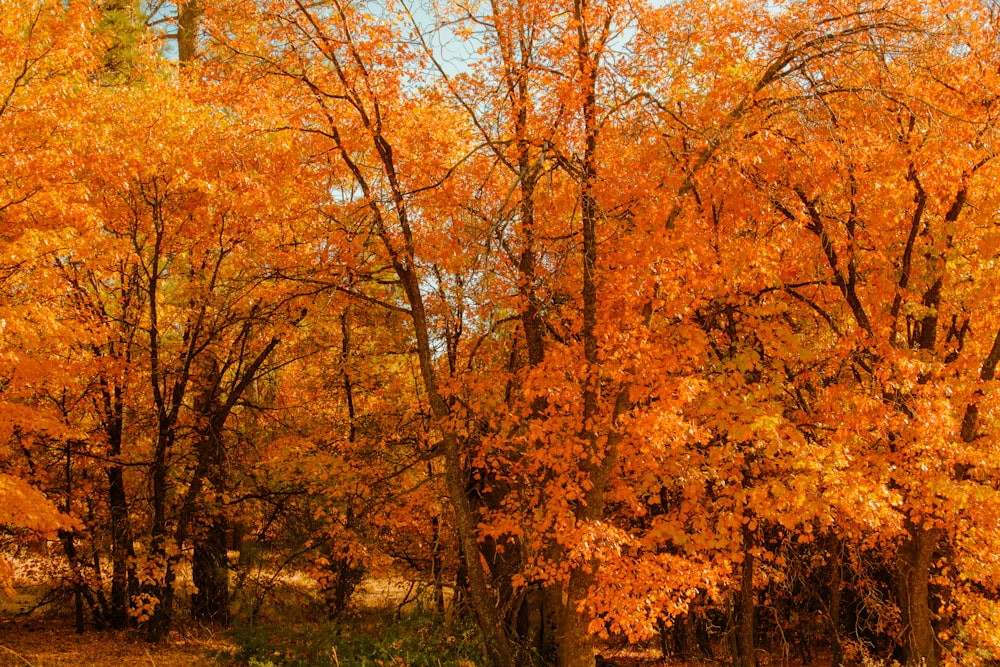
635	296
898	207
44	53
654	347
150	277
869	350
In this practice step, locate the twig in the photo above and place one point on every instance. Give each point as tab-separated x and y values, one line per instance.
17	655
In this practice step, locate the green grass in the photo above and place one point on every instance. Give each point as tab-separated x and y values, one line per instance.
381	641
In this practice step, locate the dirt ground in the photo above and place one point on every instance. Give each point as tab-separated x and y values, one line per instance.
50	643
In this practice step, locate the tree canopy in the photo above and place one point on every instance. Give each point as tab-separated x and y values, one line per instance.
634	319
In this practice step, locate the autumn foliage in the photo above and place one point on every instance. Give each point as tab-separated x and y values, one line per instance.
632	321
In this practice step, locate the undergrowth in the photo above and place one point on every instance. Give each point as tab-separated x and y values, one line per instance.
421	640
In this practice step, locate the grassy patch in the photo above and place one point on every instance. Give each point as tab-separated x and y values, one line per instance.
414	641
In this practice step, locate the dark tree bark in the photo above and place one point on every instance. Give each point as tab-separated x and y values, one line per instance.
746	608
210	573
188	27
123	580
913	571
833	606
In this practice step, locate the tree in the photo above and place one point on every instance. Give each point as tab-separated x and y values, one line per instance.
892	208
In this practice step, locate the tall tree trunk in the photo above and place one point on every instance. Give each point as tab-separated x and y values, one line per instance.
123	580
160	592
576	647
833	610
69	547
69	541
913	559
210	564
576	644
437	565
746	609
188	25
527	616
913	570
159	623
210	573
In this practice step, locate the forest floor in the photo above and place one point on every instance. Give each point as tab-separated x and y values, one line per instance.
386	624
52	642
56	645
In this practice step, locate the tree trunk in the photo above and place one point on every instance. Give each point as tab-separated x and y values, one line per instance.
576	645
210	567
503	554
211	560
913	571
833	611
158	625
160	592
746	645
343	578
123	581
497	644
437	565
210	574
188	23
69	546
